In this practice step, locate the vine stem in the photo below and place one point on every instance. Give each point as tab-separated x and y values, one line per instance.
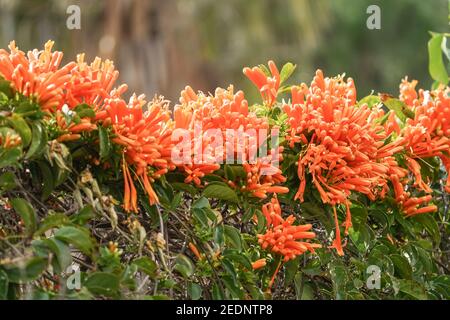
272	280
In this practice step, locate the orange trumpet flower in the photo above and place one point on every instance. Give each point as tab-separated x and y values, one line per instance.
145	136
281	235
258	264
267	85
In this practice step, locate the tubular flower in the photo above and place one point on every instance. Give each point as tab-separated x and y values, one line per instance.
195	251
267	85
391	125
258	184
9	139
145	137
37	74
411	205
91	84
282	236
258	264
337	244
223	112
408	91
72	131
342	146
426	134
283	239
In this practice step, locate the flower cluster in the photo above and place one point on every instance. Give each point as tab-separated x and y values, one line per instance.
343	149
342	146
226	111
425	135
144	136
282	237
268	85
37	74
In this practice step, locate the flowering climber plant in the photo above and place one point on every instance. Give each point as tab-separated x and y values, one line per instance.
219	195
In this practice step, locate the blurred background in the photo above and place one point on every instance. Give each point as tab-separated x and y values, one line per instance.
159	46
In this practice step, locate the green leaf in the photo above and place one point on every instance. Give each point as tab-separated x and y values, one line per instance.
234	290
27	107
4	282
428	222
9	157
25	271
303	290
291	268
360	237
287	71
399	107
402	267
217	292
146	265
7	181
47	179
38	141
50	222
103	283
176	201
315	211
239	258
26	212
83	216
181	186
229	173
229	268
359	216
248	214
233	236
370	100
84	111
339	278
61	251
412	289
77	236
218	235
436	64
184	266
200	216
194	291
5	87
308	292
222	192
441	285
128	277
105	143
312	267
200	203
21	127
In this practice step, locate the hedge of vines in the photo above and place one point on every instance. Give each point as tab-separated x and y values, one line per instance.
93	204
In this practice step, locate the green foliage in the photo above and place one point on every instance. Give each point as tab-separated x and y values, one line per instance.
437	68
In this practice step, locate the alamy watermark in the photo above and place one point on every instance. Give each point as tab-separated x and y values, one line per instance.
73	282
374	279
374	20
73	21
